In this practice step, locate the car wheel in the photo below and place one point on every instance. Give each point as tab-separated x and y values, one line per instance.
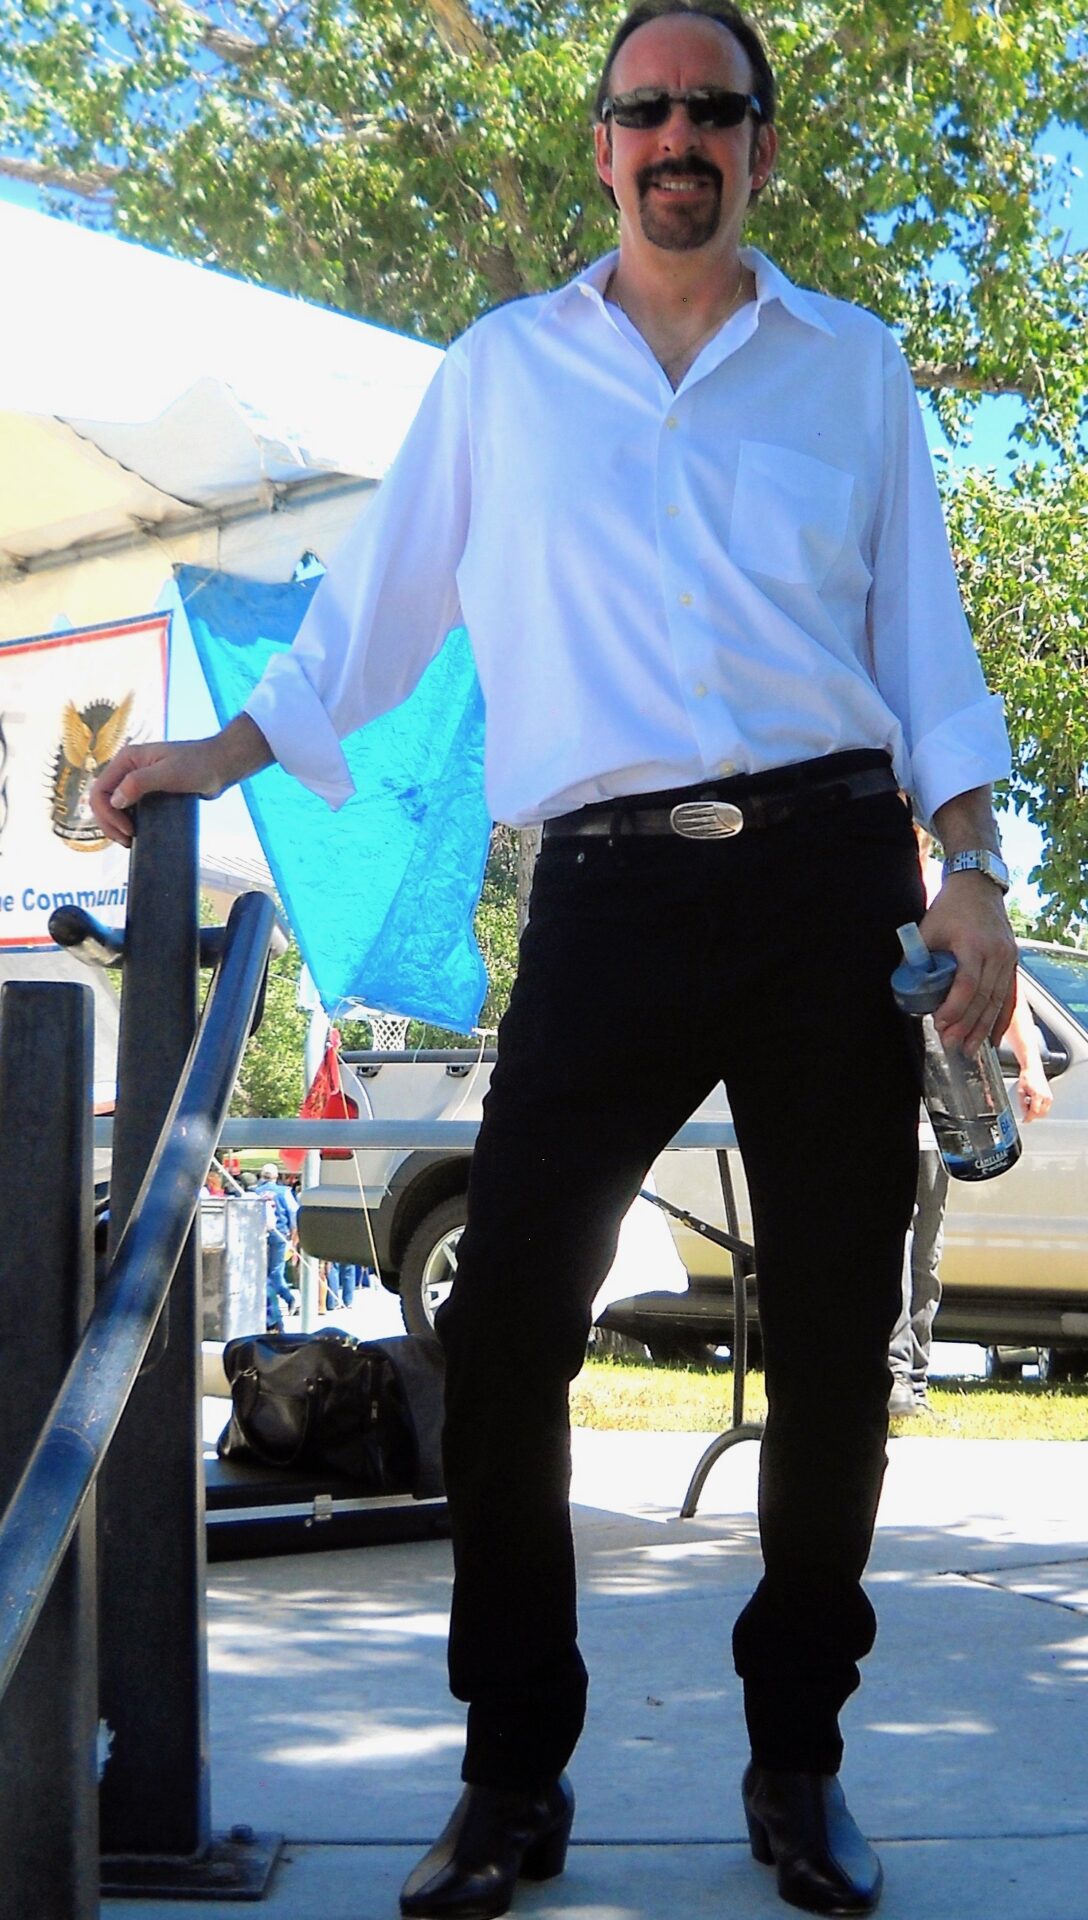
682	1350
604	1344
429	1264
1058	1364
998	1368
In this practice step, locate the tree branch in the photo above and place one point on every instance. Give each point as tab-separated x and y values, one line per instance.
237	48
462	34
497	266
458	30
969	380
39	173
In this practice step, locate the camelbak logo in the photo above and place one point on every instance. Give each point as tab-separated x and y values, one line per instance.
89	739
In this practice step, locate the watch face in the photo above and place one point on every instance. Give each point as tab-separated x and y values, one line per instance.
980	860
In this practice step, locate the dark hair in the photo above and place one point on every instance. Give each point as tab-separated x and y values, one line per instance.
727	15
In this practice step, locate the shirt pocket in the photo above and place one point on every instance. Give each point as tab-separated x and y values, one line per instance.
790	514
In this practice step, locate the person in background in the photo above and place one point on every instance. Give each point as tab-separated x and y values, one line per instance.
277	1292
329	1287
351	1277
289	1197
911	1343
291	1258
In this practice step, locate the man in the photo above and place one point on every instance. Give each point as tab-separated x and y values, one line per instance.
277	1292
686	512
288	1198
911	1342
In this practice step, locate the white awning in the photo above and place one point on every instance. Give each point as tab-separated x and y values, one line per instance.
145	397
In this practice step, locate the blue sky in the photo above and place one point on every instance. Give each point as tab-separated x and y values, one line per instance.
987	446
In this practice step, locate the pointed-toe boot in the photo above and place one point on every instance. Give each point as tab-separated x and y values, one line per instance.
800	1824
494	1837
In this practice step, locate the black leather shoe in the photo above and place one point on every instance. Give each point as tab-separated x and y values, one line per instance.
800	1824
493	1838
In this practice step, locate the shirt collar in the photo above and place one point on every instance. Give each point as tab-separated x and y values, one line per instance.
590	283
771	284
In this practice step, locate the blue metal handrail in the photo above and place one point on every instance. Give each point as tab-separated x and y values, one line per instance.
41	1517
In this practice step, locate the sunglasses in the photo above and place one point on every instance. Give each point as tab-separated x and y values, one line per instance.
711	107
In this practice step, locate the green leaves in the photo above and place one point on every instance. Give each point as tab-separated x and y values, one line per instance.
1022	557
418	167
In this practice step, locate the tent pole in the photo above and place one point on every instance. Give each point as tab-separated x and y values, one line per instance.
316	1035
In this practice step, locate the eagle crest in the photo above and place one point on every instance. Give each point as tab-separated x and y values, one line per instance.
90	736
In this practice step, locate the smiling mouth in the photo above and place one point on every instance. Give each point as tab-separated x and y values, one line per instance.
692	183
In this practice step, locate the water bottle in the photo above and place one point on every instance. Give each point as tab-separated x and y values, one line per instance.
973	1122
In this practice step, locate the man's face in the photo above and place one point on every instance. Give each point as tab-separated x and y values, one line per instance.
684	186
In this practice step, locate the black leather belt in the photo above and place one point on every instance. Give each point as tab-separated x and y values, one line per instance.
711	814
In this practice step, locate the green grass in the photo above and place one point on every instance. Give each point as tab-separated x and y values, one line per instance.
633	1395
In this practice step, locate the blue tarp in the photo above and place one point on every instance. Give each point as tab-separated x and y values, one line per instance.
381	894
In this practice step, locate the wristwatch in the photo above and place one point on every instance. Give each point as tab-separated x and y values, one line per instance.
978	860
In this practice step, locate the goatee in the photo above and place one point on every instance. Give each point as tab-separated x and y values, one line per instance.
677	225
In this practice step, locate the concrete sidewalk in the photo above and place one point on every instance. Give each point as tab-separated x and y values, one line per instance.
967	1747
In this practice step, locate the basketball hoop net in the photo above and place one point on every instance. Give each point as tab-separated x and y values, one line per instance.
388	1032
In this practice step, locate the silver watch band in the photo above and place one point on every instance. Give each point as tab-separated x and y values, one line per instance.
978	860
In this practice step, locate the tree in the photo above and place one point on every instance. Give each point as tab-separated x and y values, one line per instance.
497	923
418	166
1022	557
269	1082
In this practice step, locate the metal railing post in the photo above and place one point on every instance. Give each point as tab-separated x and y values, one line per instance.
155	1800
49	1714
316	1035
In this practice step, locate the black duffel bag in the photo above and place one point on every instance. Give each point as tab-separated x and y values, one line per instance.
369	1409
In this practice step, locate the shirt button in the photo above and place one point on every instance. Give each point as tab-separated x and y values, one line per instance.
685	599
672	510
700	691
672	422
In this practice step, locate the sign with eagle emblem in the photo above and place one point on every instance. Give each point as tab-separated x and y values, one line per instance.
68	702
89	741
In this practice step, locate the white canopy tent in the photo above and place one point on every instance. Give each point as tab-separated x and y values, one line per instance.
152	411
155	413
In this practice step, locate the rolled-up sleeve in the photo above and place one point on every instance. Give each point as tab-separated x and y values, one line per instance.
385	605
924	659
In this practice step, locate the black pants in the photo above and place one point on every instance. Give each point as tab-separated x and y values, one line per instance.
651	968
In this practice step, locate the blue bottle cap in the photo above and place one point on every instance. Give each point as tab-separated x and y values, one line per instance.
922	979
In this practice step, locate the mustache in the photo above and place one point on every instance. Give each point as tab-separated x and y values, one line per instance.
670	169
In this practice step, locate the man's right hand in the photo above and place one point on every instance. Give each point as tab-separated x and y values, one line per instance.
204	767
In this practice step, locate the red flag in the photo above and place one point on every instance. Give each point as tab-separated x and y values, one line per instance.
325	1100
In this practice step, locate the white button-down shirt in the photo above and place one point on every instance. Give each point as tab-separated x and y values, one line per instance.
658	586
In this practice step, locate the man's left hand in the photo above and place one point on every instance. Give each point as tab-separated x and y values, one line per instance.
968	920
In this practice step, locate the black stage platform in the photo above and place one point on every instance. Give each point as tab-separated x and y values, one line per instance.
256	1510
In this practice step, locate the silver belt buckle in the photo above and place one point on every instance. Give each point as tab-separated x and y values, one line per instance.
706	819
